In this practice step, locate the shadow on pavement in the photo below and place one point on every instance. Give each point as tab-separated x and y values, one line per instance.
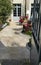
15	53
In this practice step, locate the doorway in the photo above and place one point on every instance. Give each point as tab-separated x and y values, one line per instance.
16	12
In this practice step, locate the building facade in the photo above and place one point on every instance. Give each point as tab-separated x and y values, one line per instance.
19	8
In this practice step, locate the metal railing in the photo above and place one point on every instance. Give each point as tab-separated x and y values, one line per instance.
36	20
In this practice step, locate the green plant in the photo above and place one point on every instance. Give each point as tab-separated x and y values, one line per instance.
0	29
5	10
28	32
0	24
7	23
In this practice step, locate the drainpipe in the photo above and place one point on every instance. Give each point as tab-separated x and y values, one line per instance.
25	7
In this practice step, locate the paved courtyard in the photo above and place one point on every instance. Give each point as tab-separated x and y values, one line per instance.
13	46
12	36
13	43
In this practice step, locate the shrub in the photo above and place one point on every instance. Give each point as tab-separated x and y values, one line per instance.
28	32
5	10
0	24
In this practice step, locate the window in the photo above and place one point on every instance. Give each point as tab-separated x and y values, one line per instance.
17	10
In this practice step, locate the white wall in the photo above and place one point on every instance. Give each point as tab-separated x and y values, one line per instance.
30	2
22	4
28	7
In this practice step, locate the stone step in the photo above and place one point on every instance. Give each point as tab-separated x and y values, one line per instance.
14	52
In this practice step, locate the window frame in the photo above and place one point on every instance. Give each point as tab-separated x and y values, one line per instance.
17	7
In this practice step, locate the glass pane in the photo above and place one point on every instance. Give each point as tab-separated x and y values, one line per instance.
19	11
14	12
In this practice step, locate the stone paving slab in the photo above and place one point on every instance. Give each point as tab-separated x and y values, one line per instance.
16	40
14	45
10	38
14	52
